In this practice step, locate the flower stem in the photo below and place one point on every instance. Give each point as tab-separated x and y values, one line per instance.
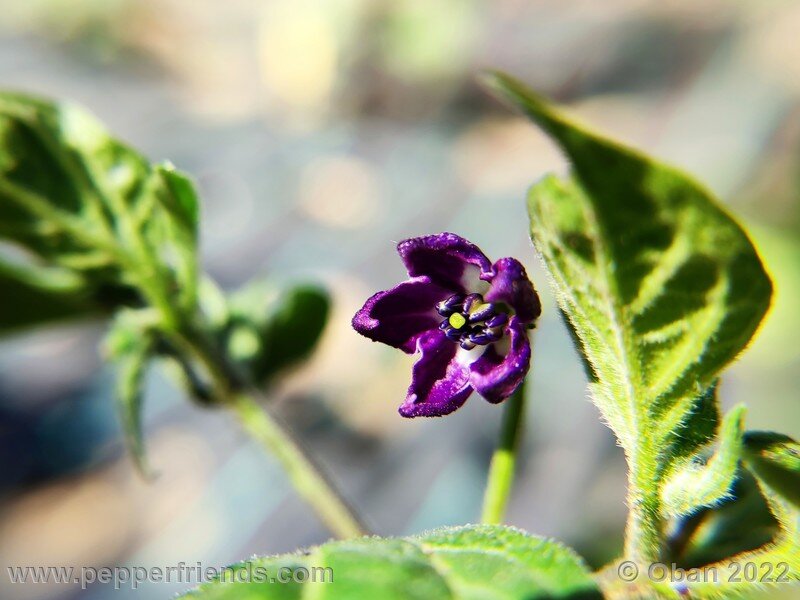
308	479
501	469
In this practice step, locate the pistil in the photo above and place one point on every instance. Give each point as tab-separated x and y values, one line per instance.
470	322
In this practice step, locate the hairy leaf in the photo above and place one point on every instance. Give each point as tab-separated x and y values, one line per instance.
740	523
777	563
698	430
472	562
775	460
691	485
661	286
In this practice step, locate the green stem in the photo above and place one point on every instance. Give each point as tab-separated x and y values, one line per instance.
643	534
228	385
306	477
501	469
190	338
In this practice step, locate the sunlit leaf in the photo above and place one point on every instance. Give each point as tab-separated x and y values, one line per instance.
662	287
691	485
472	562
82	201
179	198
740	523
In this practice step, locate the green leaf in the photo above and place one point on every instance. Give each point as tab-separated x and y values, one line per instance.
179	198
33	296
775	460
661	286
698	430
740	523
131	345
132	368
271	330
691	485
782	552
741	534
79	200
472	562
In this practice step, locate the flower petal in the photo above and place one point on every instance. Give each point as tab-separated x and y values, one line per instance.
439	382
448	259
398	316
510	284
499	371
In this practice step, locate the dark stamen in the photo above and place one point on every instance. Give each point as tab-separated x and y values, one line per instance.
497	321
453	334
451	305
481	313
469	301
482	339
470	322
494	334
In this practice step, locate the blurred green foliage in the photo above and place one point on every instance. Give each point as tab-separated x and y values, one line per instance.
105	232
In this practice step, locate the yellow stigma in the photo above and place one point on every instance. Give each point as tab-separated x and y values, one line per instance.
457	320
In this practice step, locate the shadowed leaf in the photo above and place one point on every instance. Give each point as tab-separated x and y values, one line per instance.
775	459
272	330
35	296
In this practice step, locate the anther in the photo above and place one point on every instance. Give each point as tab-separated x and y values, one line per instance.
450	305
497	321
452	334
470	300
481	312
482	339
467	344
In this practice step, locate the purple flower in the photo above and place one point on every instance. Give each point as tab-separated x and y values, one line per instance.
467	316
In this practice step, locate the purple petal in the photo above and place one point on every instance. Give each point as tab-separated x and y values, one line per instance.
398	316
449	260
510	284
499	371
439	382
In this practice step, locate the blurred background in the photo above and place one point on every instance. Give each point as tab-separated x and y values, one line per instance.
320	133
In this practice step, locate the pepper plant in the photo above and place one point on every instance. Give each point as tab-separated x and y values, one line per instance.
659	286
107	233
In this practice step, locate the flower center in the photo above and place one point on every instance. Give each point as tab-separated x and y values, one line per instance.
470	322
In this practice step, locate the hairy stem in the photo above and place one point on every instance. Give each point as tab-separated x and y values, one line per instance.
501	469
644	531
